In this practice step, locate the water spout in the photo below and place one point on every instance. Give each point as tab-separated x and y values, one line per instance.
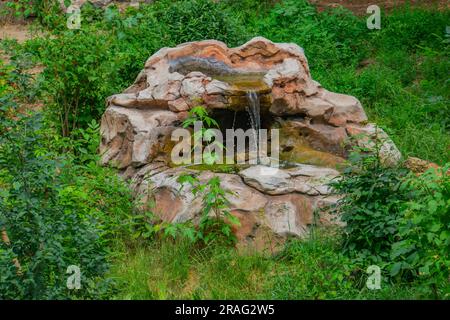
253	109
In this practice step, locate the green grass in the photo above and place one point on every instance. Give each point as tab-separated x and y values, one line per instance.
309	269
399	73
411	103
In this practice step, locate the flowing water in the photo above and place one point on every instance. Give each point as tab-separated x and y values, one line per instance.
253	109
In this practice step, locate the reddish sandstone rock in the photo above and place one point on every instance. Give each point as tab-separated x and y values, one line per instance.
315	126
210	73
419	166
266	217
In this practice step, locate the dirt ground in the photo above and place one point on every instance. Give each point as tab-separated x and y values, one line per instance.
360	6
20	31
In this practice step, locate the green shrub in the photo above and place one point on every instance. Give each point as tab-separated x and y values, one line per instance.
19	9
191	20
423	250
56	214
46	237
77	77
7	104
399	221
17	73
373	199
46	11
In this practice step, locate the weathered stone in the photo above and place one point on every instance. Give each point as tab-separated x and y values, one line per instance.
134	137
315	126
289	215
247	225
319	136
268	180
217	87
264	219
369	136
242	197
178	105
346	109
419	166
312	180
205	68
304	179
192	86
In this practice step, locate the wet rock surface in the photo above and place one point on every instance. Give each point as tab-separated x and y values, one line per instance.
317	128
279	72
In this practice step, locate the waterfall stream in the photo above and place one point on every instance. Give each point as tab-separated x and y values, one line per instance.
253	109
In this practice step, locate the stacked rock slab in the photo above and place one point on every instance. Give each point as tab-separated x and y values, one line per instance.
137	125
270	205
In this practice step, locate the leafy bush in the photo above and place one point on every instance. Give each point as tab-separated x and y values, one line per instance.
17	73
19	9
55	214
7	104
47	11
77	78
191	20
423	250
398	221
374	197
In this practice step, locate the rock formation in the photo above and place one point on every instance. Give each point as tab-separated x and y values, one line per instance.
315	124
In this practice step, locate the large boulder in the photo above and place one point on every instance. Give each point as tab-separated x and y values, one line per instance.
316	127
209	73
268	208
306	179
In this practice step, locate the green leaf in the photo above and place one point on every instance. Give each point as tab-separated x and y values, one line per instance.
432	206
425	270
395	269
234	220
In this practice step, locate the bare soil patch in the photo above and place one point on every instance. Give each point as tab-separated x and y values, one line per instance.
18	31
359	7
